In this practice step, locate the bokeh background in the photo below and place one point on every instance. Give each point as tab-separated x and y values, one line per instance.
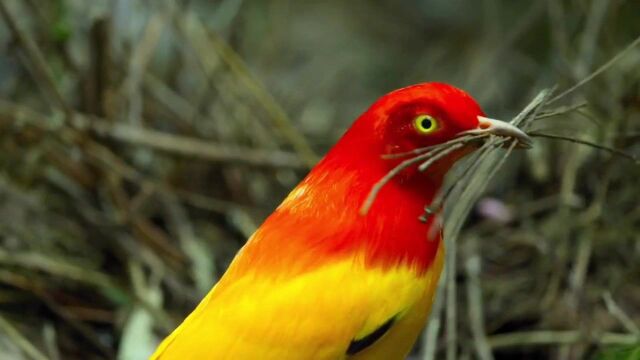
141	143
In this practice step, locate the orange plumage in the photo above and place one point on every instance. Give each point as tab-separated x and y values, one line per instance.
321	280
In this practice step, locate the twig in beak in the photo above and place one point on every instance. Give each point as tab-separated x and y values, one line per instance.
425	165
460	139
442	196
437	152
589	143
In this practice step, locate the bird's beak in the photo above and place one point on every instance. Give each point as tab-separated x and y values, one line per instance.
500	128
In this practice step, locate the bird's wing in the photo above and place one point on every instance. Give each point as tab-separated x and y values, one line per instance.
337	311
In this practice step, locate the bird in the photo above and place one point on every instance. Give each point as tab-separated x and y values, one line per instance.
321	279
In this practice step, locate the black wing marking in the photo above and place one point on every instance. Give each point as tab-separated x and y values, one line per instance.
357	345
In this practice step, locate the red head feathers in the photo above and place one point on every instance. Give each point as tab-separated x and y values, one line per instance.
320	220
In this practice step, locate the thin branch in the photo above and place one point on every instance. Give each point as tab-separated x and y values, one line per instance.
551	337
425	165
39	64
464	200
460	139
619	314
588	143
20	340
277	114
472	165
598	71
474	296
435	322
524	119
436	153
175	144
451	308
484	169
200	148
562	110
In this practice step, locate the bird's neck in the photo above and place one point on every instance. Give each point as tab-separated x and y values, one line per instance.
391	233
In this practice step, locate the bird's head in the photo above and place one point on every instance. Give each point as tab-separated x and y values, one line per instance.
361	195
433	113
421	116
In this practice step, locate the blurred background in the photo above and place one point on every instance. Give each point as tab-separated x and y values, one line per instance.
141	143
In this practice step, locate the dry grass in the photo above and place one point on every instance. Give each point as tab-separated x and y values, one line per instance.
142	142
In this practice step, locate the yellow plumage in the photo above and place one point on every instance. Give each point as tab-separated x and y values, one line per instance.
311	316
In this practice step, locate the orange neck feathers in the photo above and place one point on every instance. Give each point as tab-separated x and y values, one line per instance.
320	220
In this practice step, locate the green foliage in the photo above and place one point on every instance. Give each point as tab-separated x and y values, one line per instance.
631	352
61	28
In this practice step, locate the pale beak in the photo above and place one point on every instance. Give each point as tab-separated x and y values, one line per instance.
501	128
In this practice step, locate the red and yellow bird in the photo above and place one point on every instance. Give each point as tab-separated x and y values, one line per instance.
321	280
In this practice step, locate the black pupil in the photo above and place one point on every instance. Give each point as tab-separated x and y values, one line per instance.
426	123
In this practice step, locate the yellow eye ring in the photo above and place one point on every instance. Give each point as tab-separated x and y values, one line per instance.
425	124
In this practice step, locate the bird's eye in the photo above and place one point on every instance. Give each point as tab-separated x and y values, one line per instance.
425	124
